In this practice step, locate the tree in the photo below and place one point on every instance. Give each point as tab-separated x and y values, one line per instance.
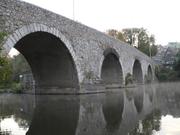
116	34
5	71
177	64
5	66
137	37
2	35
20	66
130	35
154	50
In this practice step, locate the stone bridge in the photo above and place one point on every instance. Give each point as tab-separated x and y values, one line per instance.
67	56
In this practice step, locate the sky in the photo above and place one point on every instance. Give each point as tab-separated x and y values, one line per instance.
160	17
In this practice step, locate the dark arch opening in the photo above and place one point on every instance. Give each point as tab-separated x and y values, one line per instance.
111	72
137	72
150	76
50	61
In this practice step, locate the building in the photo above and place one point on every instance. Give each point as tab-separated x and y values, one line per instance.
166	55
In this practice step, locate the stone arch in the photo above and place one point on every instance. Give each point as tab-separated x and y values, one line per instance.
137	71
111	69
34	31
149	73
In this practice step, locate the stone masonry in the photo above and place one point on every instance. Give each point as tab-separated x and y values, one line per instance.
85	45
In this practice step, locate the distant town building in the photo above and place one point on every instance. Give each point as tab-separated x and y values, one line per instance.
174	45
159	57
170	57
166	55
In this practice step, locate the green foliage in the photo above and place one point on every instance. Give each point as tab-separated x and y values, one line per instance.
154	50
5	71
177	64
151	122
116	34
2	35
165	74
20	65
5	66
137	37
16	88
129	79
130	35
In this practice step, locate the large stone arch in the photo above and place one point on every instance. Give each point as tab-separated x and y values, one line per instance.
35	30
137	71
111	71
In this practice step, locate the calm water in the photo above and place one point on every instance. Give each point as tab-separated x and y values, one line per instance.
146	110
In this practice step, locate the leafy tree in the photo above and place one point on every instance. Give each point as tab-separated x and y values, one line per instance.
130	35
2	35
112	32
116	34
5	66
154	50
20	65
177	64
165	74
151	123
137	37
5	71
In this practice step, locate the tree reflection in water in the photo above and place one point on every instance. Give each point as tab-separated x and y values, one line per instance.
15	111
149	124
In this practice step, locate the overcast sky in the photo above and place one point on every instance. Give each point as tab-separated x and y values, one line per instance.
159	17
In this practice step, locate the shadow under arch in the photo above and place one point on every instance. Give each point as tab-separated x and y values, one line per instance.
111	69
137	72
52	61
113	107
149	74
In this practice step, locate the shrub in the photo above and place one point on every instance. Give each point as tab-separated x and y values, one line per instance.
16	88
129	79
165	74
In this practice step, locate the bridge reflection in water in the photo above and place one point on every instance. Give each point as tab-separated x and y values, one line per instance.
140	110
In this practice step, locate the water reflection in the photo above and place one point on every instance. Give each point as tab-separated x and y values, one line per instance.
112	109
55	115
15	113
138	98
145	110
148	125
169	125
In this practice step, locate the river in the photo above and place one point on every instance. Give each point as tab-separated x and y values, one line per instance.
144	110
